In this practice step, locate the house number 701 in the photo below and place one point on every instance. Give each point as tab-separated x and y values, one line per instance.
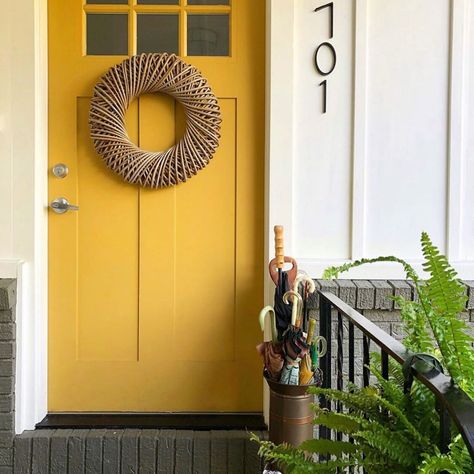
328	46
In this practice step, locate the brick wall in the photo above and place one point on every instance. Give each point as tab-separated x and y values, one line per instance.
7	373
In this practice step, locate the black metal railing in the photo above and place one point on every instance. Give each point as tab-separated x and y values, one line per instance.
452	403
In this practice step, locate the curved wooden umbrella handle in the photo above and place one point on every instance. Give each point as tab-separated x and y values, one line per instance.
292	272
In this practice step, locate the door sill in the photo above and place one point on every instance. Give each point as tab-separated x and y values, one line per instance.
178	421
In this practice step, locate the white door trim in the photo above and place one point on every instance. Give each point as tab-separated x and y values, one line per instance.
24	132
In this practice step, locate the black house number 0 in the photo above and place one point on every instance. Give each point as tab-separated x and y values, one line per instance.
329	47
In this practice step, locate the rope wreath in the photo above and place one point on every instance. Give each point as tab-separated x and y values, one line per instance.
154	73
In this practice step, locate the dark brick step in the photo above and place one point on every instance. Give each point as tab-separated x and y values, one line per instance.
136	451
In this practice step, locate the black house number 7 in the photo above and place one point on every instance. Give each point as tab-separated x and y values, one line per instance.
332	51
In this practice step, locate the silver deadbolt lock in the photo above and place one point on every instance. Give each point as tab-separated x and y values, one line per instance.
60	170
61	205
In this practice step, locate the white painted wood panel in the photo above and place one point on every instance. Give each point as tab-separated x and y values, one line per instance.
5	144
323	142
467	213
394	155
407	125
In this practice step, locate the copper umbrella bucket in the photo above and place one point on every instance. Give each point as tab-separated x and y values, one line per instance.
291	417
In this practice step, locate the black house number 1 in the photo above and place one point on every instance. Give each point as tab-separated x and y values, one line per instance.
329	47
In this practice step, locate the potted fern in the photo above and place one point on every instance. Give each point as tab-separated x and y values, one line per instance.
393	431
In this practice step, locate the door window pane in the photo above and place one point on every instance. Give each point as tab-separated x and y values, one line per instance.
208	35
158	2
107	2
157	33
107	34
208	2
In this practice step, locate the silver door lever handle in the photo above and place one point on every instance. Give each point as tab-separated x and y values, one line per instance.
61	205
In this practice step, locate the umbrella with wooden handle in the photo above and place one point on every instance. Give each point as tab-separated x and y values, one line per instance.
271	351
308	287
294	342
283	281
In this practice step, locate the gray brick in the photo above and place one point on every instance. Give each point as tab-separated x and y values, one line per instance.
379	315
6	469
470	293
77	451
7	331
165	452
22	457
385	326
147	448
7	385
6	439
471	315
7	294
235	452
397	331
58	457
328	285
111	463
6	316
7	404
218	452
347	292
7	367
6	421
403	289
383	293
414	291
202	452
464	316
6	456
41	451
184	452
94	440
130	442
7	350
365	294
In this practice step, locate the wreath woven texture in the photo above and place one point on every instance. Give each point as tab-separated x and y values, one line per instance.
148	73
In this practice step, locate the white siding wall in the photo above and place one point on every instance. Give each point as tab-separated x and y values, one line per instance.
394	155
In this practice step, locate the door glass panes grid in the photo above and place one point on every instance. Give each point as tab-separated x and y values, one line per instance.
183	27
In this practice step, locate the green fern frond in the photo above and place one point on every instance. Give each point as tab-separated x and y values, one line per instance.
439	463
342	422
446	296
333	272
327	446
415	322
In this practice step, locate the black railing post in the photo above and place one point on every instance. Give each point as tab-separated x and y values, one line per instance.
444	428
325	362
384	365
366	360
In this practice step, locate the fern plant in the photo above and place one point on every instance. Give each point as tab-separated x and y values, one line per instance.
393	431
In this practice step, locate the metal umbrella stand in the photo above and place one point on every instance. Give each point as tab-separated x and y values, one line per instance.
291	417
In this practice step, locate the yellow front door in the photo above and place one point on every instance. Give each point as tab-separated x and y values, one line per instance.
153	294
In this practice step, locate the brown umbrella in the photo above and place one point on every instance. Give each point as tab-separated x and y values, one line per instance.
271	351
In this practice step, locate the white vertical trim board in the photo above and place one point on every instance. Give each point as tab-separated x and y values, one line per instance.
25	111
456	124
280	120
360	129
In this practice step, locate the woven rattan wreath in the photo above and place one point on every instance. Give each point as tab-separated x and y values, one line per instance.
152	73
